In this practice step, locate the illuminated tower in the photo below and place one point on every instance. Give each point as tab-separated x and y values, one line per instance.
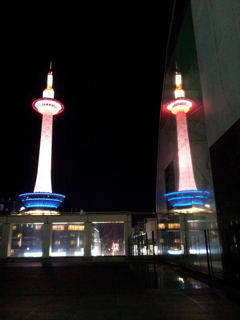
42	198
187	194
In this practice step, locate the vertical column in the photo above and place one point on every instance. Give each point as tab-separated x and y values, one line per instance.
6	241
87	239
127	235
184	232
47	240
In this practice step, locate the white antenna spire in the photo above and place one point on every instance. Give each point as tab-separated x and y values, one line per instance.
49	92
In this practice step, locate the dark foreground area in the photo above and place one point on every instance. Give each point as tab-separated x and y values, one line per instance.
104	291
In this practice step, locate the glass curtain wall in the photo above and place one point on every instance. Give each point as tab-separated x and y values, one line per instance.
67	239
107	238
144	244
26	240
187	225
1	236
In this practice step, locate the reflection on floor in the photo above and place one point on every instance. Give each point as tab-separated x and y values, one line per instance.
171	279
162	277
107	291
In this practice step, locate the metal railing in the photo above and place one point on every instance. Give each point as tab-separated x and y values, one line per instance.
197	250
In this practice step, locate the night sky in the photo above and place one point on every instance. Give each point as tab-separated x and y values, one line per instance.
108	65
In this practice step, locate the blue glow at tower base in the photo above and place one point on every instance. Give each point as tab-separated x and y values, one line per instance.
41	200
187	198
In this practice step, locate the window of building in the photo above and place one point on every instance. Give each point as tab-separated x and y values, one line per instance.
174	226
107	238
62	239
26	240
76	227
58	227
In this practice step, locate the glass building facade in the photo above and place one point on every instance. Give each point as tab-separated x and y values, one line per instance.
204	43
67	239
108	238
87	235
0	236
26	240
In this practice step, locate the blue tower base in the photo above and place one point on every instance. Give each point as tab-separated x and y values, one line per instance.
41	200
187	198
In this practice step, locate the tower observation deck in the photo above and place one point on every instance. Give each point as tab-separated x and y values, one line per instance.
187	194
42	198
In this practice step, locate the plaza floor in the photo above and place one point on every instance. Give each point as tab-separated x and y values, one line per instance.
105	291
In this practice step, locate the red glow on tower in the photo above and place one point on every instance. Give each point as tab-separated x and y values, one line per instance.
179	107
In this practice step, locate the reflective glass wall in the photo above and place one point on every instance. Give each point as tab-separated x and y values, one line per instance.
107	238
67	239
144	244
1	226
84	235
26	240
187	222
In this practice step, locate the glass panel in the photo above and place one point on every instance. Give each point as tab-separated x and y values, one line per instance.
197	244
215	250
67	239
1	236
204	250
107	238
135	247
26	240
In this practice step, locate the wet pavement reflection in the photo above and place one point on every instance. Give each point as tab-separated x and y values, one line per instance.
107	291
172	279
163	277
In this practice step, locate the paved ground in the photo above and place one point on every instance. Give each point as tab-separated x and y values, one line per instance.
101	291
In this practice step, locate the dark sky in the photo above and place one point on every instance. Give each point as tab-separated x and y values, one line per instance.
108	67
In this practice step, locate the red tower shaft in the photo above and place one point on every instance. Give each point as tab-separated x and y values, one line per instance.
186	177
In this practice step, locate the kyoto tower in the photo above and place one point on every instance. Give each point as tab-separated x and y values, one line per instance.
187	194
42	198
